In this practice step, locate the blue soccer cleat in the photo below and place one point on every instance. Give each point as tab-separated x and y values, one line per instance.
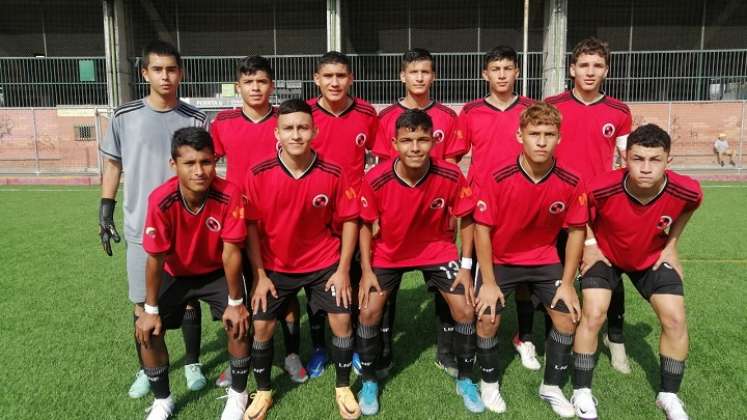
368	398
357	367
317	363
468	391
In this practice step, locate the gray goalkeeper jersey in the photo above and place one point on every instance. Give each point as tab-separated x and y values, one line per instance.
140	137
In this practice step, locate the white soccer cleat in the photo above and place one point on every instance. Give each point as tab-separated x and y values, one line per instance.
585	404
235	405
161	409
224	380
618	356
527	352
673	407
559	404
491	397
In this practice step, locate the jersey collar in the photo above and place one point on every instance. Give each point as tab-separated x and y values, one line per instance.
407	184
261	120
348	109
495	108
196	211
529	178
305	172
598	101
426	108
634	198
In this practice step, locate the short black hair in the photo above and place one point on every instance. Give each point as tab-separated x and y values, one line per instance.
334	57
159	47
195	137
501	52
417	54
291	106
413	119
650	135
251	65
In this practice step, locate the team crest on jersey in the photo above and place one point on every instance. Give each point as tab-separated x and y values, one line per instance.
438	135
320	200
364	202
557	207
481	205
438	203
608	130
212	224
664	222
360	139
150	231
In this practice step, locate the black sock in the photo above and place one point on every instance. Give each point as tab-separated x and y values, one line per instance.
316	325
671	374
557	357
487	358
137	344
525	319
291	336
464	347
192	333
368	346
583	370
386	330
262	357
159	381
239	373
616	315
445	335
342	357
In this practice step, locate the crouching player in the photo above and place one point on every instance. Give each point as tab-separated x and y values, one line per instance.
413	198
521	209
637	217
297	200
194	231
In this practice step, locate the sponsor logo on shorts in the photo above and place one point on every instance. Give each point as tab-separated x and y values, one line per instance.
212	224
557	207
150	231
482	206
438	203
608	130
558	283
321	200
360	139
664	222
666	264
364	202
438	135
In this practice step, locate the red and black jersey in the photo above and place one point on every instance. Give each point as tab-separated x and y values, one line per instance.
192	240
589	133
414	221
296	217
525	217
344	138
630	234
490	133
243	142
444	124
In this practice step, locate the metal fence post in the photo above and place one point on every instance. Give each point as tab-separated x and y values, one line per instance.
36	141
741	142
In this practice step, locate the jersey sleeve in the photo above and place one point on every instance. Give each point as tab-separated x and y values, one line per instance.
251	196
693	205
234	222
463	202
157	235
485	206
369	204
622	139
383	143
462	141
453	146
578	208
346	200
111	146
220	150
373	127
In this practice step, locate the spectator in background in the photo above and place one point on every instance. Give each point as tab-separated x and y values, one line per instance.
722	149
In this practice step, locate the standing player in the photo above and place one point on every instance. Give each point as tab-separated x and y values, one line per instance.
521	209
488	126
194	232
138	143
246	137
295	200
594	124
346	129
638	215
413	197
418	73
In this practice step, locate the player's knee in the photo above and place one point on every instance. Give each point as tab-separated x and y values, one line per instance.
370	315
564	325
463	314
340	324
485	328
674	323
263	330
594	317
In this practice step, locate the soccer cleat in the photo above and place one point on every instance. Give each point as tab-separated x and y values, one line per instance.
672	405
261	403
161	409
295	369
195	379
559	404
448	366
491	397
468	391
317	363
618	356
224	380
585	404
368	398
235	405
527	352
357	367
140	386
346	403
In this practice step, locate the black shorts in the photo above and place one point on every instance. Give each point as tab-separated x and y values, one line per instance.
437	277
176	292
288	284
664	281
542	280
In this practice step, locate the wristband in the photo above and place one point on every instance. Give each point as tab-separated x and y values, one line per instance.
235	302
590	242
152	310
467	263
